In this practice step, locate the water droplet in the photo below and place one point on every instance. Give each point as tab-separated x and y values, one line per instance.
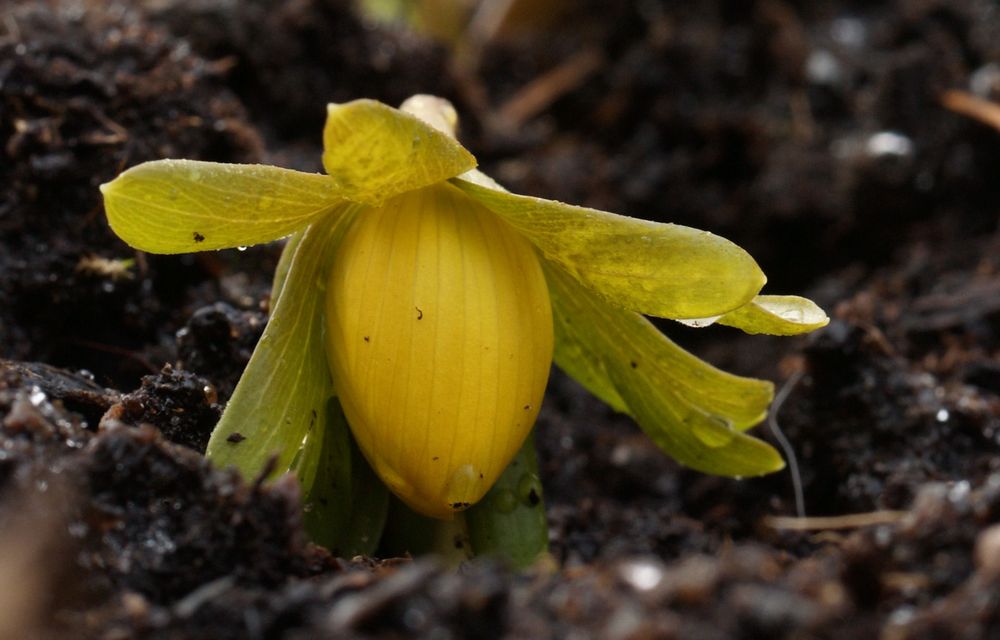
504	501
172	193
698	323
712	431
529	489
463	487
265	202
241	248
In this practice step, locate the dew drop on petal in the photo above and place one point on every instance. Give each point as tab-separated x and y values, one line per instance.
712	431
463	486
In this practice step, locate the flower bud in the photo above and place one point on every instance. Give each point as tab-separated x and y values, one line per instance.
439	336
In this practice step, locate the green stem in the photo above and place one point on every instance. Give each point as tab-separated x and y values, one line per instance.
409	533
346	503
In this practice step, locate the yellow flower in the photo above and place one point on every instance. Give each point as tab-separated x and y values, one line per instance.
431	302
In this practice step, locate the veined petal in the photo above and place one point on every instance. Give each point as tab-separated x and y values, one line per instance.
665	270
283	392
373	152
777	316
439	334
179	206
693	410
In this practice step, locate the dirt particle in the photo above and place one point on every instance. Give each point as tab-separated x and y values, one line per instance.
368	339
235	437
534	498
198	237
420	313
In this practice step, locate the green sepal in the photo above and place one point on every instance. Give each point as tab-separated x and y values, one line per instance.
345	505
509	522
373	152
777	316
282	395
692	410
665	270
180	206
696	439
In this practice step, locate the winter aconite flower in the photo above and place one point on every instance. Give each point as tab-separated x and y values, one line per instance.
431	302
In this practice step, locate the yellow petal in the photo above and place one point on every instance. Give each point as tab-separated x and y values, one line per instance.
373	152
177	206
440	341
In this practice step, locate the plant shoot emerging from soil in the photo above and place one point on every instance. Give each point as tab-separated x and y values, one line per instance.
417	308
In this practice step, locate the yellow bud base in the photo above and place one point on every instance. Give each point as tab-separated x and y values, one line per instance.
440	338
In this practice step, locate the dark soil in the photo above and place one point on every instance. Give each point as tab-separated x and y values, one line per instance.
811	133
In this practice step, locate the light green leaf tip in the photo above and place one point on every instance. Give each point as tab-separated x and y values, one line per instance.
665	270
180	206
777	316
373	152
693	411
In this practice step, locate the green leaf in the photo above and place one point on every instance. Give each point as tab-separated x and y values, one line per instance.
346	505
589	333
373	152
777	316
284	264
179	206
573	352
691	409
665	270
282	396
509	521
693	438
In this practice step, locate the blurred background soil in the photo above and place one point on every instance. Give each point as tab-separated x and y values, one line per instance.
851	147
